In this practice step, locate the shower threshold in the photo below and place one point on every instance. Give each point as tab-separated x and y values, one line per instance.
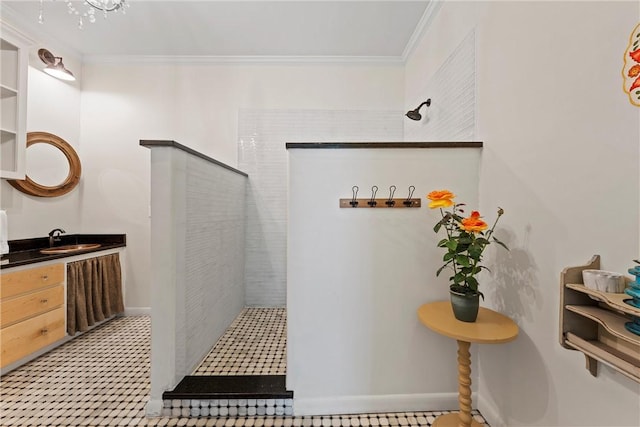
244	374
229	395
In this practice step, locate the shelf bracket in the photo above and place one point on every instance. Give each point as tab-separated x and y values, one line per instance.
591	365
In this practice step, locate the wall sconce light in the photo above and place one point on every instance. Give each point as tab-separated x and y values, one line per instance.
55	67
415	114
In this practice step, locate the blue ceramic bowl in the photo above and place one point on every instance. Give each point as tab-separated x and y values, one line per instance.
633	292
632	327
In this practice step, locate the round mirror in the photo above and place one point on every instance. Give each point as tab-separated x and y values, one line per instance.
53	166
46	164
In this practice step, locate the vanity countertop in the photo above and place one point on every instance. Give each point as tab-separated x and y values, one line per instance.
27	251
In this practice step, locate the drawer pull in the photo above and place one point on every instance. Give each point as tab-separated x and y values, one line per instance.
44	300
44	331
45	277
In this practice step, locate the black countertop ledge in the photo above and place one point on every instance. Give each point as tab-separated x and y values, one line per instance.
27	251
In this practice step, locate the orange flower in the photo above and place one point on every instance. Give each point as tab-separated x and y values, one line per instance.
440	199
473	223
634	71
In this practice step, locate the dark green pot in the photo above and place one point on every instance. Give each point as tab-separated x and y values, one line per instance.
465	306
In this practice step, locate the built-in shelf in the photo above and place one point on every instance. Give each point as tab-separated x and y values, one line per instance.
13	91
593	322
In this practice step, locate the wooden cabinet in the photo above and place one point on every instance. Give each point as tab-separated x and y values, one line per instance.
13	98
32	314
593	322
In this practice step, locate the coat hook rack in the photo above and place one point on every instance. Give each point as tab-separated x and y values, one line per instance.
354	200
372	202
409	201
390	202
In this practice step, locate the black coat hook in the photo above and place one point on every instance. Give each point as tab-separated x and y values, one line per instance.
390	201
373	202
353	201
409	202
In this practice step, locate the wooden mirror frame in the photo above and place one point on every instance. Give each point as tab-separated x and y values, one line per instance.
32	188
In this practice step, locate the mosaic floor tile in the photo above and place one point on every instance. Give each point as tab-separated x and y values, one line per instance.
102	379
254	344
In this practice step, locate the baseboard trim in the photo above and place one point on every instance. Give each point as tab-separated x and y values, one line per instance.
376	403
154	408
490	412
137	311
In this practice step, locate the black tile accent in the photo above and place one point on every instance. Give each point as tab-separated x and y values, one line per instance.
392	145
230	386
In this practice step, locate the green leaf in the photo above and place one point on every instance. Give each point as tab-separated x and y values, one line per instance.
440	269
459	277
482	241
448	256
442	242
452	244
437	227
472	282
465	240
500	243
475	252
463	260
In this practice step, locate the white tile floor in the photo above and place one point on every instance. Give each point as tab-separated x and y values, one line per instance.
254	344
102	379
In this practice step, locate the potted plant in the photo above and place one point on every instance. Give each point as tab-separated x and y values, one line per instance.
465	242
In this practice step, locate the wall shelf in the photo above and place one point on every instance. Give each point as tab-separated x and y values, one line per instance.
13	98
592	322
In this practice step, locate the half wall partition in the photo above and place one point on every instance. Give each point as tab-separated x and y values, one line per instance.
197	259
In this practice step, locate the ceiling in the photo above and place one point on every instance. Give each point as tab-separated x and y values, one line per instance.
342	29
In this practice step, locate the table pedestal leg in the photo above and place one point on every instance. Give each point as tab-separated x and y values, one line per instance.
462	418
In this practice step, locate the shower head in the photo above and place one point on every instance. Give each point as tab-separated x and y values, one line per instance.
415	114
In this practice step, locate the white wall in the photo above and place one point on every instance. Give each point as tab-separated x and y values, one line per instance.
561	156
52	106
197	106
356	277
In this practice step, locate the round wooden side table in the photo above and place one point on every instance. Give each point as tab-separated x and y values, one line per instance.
490	328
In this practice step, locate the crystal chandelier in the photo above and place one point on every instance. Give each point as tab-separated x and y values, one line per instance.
91	6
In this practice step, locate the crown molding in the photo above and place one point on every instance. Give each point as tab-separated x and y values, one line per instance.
239	59
429	14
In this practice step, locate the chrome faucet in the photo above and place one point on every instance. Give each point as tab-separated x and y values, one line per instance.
53	237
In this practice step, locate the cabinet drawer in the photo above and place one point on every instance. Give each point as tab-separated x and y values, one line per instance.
28	336
18	308
29	280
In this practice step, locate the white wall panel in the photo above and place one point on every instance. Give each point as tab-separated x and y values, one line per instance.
357	276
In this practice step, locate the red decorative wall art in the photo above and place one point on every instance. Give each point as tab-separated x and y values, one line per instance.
631	68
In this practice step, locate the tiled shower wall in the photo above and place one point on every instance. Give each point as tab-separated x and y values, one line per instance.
214	258
197	264
452	89
262	154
